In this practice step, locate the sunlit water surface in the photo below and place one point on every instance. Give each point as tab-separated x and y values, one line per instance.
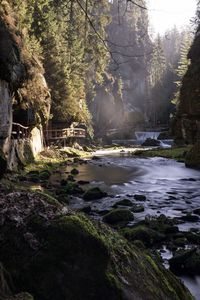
170	189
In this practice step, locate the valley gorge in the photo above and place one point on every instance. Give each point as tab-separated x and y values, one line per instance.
99	165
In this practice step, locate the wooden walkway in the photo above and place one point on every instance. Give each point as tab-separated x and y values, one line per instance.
22	132
59	134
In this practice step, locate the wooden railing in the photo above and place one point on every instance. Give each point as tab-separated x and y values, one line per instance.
19	131
57	134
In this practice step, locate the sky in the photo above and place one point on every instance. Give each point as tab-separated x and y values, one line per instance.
164	14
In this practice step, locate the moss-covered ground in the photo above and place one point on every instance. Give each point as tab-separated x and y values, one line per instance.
177	153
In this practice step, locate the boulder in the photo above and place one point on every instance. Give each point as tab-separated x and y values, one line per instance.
74	172
50	251
94	194
140	197
116	216
124	202
137	208
190	218
186	262
148	236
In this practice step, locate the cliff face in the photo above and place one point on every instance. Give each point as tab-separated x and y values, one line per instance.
186	125
187	122
23	90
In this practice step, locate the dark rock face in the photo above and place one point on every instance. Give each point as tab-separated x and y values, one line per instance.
49	252
192	159
3	164
151	142
22	83
186	125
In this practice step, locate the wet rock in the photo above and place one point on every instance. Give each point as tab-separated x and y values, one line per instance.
83	182
148	236
193	237
137	208
151	142
162	224
72	188
190	218
74	172
140	197
180	242
95	157
196	211
118	216
103	212
124	202
63	182
186	262
86	209
70	178
94	194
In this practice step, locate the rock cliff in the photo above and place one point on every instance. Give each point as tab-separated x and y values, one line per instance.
186	125
23	90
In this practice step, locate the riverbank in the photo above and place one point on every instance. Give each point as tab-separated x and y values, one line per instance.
177	153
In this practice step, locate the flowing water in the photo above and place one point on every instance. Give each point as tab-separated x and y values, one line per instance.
170	189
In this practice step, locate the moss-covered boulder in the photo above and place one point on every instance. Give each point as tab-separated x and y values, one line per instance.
74	172
137	208
54	255
94	194
124	202
71	188
148	236
118	215
186	262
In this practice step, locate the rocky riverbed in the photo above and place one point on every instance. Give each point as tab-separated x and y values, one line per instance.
153	202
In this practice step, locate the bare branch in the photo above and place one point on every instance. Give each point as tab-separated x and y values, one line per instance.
138	5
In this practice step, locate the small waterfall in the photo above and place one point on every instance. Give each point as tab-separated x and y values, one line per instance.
141	136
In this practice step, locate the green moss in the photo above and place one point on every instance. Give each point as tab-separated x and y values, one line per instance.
177	153
118	215
48	198
94	194
147	235
76	252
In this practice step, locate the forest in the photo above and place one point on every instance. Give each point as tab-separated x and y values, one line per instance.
99	152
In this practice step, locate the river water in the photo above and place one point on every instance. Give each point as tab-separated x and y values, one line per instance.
170	189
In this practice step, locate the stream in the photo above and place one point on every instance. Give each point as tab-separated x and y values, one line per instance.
170	188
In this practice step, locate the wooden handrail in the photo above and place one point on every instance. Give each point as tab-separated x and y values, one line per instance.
17	124
19	131
64	133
